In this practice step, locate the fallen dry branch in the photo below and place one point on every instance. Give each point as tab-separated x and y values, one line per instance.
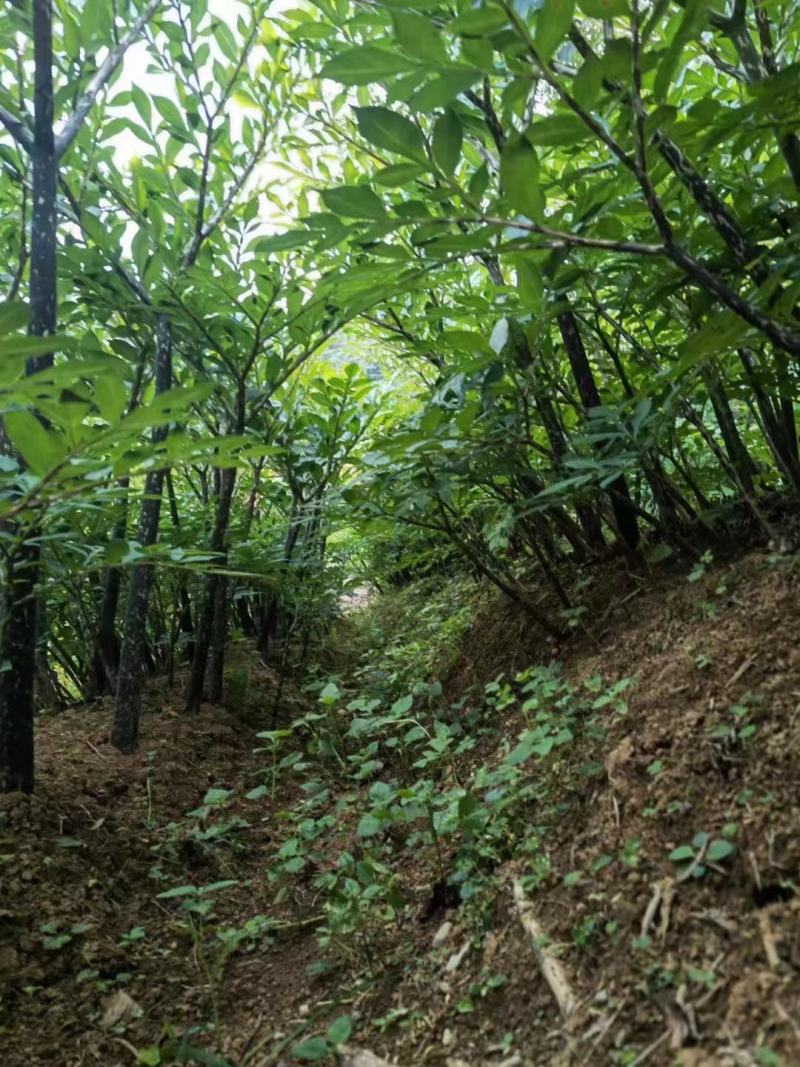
359	1057
552	970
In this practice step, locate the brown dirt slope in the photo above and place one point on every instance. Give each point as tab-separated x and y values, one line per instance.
664	969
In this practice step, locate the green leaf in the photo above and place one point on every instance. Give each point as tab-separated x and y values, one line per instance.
387	129
150	1056
448	136
588	82
681	853
141	102
398	174
519	177
520	753
529	284
39	447
419	37
280	242
95	22
442	90
659	552
364	64
604	9
369	825
353	202
69	842
403	705
32	346
14	315
553	20
720	332
330	694
557	130
339	1030
215	887
257	793
478	21
689	29
111	397
719	850
479	182
178	891
315	1048
168	110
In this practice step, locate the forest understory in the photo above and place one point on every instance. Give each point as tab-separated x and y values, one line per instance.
400	533
692	726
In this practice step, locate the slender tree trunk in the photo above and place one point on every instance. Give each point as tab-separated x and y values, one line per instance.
271	614
587	517
130	679
219	624
19	630
621	503
738	455
185	625
105	656
506	583
206	630
773	421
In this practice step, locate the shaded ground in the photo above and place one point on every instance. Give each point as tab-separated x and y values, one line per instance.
666	968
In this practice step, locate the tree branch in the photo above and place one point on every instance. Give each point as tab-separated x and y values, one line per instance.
17	128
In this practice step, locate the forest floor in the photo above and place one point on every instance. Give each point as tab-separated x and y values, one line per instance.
664	968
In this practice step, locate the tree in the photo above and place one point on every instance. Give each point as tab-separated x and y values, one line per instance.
46	147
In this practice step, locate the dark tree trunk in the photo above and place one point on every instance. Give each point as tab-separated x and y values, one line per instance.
185	625
18	646
105	657
219	637
270	616
735	447
773	421
206	630
621	503
219	623
587	517
130	679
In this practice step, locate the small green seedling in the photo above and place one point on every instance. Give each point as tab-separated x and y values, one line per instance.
323	1048
704	852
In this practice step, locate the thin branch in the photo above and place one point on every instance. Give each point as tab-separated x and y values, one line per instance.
17	128
560	238
205	232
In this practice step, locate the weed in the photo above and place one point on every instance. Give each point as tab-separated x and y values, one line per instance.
702	853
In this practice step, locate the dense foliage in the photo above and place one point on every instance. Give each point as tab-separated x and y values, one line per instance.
361	292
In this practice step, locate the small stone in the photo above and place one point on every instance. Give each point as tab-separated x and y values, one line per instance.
119	1008
442	933
456	959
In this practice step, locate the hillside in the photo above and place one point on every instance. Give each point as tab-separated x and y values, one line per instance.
675	716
